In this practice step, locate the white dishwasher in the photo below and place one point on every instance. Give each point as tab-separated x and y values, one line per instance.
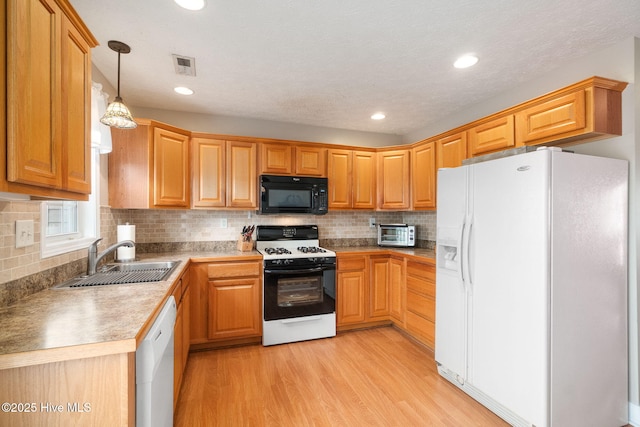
154	371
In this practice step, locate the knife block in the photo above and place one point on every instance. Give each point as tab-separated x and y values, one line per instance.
244	246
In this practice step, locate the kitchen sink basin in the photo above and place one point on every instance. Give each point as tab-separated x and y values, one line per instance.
124	273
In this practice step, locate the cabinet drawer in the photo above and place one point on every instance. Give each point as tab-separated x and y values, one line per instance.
234	269
425	306
421	328
420	270
422	286
352	263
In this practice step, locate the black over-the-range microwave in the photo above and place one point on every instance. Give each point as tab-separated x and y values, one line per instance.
293	195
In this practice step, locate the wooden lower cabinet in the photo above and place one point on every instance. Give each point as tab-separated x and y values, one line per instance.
352	290
397	290
420	313
182	294
226	304
387	289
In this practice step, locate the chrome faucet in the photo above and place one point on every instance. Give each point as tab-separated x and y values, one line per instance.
94	258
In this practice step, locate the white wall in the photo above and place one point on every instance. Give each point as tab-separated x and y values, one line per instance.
620	61
227	125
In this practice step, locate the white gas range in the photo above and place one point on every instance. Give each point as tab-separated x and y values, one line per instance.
299	284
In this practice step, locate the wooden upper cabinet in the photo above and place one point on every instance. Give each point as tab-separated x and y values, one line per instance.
170	169
48	78
451	150
591	110
241	175
311	161
495	135
149	167
208	165
276	159
352	179
364	180
292	159
393	180
339	168
423	176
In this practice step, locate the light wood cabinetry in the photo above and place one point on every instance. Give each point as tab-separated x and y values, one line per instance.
311	161
226	303
170	168
393	180
421	301
149	167
224	173
352	179
451	150
292	159
181	293
47	103
423	176
379	288
365	285
397	290
352	287
589	110
209	178
276	159
494	135
241	175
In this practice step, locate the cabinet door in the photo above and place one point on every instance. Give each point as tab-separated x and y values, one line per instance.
423	176
397	290
340	178
311	161
76	110
552	119
350	304
34	125
494	135
241	175
393	179
364	180
170	169
234	308
379	288
451	150
276	159
209	172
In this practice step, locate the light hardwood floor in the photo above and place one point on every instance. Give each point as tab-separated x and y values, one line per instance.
374	377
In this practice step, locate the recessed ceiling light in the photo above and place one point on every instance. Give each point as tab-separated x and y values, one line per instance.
183	90
191	4
378	116
465	61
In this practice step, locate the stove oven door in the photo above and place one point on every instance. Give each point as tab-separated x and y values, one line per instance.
291	293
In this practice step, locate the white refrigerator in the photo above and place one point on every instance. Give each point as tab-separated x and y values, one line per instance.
531	287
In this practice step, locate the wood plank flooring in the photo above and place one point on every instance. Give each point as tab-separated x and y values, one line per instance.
374	377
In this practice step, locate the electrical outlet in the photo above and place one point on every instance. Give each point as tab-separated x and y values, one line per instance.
223	223
372	222
24	233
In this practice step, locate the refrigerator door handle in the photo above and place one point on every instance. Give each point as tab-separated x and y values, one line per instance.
467	251
461	248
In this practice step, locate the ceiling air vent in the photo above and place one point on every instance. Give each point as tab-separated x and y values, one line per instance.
184	65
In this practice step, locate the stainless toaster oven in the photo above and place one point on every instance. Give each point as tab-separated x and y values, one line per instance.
401	235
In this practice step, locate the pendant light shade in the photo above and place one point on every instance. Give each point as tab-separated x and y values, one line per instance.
117	114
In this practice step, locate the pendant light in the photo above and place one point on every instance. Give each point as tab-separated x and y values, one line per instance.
117	114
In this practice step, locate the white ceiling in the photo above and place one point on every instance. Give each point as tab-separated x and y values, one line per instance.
333	63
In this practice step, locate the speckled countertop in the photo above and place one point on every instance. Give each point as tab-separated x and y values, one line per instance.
63	324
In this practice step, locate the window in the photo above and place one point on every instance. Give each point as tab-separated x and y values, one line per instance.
68	226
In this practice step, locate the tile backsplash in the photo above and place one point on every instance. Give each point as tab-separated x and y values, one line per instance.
22	268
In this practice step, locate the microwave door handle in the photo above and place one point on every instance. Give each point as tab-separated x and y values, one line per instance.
302	271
